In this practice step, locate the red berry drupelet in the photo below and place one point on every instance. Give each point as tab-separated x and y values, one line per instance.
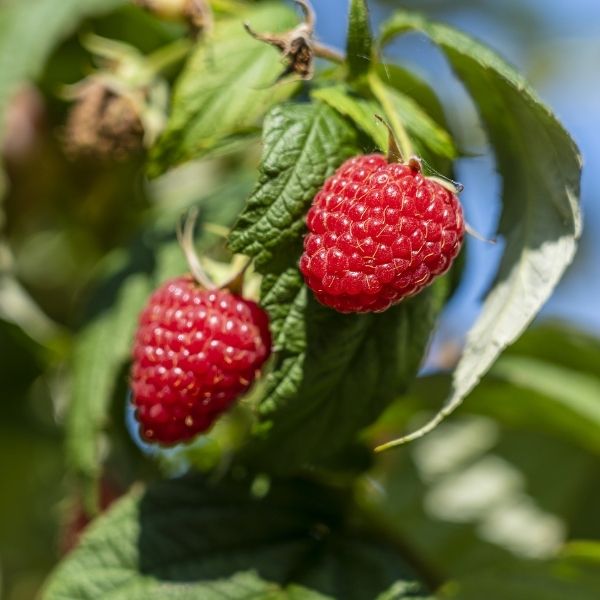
195	352
379	232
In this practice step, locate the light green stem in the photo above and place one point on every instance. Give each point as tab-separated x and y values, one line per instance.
169	55
380	92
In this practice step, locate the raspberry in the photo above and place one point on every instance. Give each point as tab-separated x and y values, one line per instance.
379	232
195	351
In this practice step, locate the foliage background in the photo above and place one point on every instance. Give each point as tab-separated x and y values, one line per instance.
62	220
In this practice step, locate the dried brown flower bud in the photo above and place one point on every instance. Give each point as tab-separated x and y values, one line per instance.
298	46
103	124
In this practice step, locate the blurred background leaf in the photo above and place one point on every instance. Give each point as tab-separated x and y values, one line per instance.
514	475
227	85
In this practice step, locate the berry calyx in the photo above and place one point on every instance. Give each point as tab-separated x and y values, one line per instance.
379	232
195	352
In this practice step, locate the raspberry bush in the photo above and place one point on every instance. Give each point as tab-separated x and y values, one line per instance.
251	373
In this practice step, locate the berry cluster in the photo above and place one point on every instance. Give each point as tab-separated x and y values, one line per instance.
379	232
195	352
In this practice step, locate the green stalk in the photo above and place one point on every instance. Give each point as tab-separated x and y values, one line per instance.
168	55
380	92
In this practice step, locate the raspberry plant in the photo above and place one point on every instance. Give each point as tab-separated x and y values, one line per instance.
353	257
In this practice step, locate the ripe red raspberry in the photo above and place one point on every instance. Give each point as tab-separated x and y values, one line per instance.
379	232
195	352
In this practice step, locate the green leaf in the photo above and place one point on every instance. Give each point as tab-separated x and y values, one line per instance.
185	539
227	85
99	354
540	221
421	126
411	85
303	145
543	412
284	297
476	493
423	129
551	377
335	373
362	112
398	80
37	26
570	399
574	574
359	48
562	345
548	381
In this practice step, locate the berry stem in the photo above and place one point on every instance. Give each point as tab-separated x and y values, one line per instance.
328	53
186	241
320	50
168	55
310	18
394	154
380	92
235	284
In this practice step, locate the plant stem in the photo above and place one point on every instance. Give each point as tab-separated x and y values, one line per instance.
380	92
168	55
328	53
185	237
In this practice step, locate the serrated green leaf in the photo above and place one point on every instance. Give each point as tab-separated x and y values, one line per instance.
186	539
227	85
337	375
359	47
284	297
304	144
540	221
